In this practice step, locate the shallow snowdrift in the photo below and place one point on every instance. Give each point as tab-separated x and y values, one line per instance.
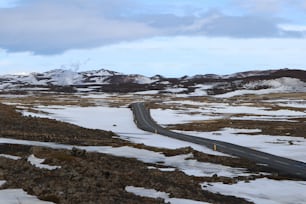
263	191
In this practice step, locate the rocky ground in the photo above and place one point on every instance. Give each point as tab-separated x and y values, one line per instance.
86	177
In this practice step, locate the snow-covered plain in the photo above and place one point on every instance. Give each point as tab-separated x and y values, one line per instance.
118	120
152	193
212	111
278	145
263	191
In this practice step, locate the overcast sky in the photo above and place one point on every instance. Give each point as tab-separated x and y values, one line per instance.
168	37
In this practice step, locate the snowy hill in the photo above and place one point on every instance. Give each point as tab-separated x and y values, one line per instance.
251	82
60	77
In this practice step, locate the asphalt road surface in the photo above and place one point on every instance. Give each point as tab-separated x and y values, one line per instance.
281	165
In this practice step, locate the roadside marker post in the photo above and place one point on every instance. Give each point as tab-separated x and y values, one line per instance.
215	147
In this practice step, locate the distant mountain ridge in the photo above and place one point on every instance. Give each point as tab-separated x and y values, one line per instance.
104	80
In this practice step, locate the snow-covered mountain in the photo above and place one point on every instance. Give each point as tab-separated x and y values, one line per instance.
60	77
251	82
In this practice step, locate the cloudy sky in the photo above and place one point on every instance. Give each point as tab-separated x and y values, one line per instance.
168	37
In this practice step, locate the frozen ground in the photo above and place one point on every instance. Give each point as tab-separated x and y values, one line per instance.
118	120
184	163
263	191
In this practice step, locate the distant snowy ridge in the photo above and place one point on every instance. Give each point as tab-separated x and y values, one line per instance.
61	77
251	82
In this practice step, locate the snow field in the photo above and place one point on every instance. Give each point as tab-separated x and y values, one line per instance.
263	191
118	120
277	145
19	196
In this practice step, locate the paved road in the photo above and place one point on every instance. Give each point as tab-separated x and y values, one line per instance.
279	164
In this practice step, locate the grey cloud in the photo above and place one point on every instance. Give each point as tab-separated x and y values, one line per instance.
165	20
242	27
54	26
216	24
50	28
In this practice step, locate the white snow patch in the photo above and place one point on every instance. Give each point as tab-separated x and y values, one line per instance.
175	90
149	92
144	80
250	110
263	191
165	117
280	85
162	169
19	196
2	182
266	118
63	77
201	90
152	193
10	156
38	163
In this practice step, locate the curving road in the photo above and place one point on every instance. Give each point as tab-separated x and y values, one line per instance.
282	165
